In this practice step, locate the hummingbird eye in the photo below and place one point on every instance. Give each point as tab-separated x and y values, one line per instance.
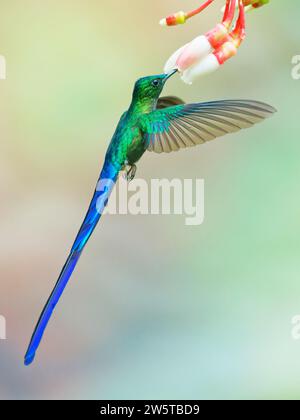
156	82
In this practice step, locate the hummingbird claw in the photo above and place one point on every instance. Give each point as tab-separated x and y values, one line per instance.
130	171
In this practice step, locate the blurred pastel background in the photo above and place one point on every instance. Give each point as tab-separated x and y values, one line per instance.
156	309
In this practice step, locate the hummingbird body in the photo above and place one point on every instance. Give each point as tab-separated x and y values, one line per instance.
127	144
158	125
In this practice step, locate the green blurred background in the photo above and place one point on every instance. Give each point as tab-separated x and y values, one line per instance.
155	309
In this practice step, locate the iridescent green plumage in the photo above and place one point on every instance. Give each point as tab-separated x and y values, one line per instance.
128	143
159	125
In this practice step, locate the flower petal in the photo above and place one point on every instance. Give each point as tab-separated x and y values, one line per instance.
194	51
171	63
205	66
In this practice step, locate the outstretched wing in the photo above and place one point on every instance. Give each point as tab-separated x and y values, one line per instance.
167	101
177	127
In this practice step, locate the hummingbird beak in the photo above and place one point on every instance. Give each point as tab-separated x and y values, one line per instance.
168	75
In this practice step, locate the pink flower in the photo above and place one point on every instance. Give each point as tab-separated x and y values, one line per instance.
208	52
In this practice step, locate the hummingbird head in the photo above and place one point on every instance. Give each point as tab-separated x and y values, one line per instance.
148	89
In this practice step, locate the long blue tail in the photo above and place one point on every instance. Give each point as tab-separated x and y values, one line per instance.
108	177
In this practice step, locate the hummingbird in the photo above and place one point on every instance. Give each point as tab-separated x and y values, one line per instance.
156	124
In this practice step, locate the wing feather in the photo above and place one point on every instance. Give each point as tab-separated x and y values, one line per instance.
167	101
176	127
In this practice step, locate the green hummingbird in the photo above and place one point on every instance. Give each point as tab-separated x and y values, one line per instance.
158	125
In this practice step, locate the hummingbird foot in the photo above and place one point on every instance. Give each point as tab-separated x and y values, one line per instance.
130	172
